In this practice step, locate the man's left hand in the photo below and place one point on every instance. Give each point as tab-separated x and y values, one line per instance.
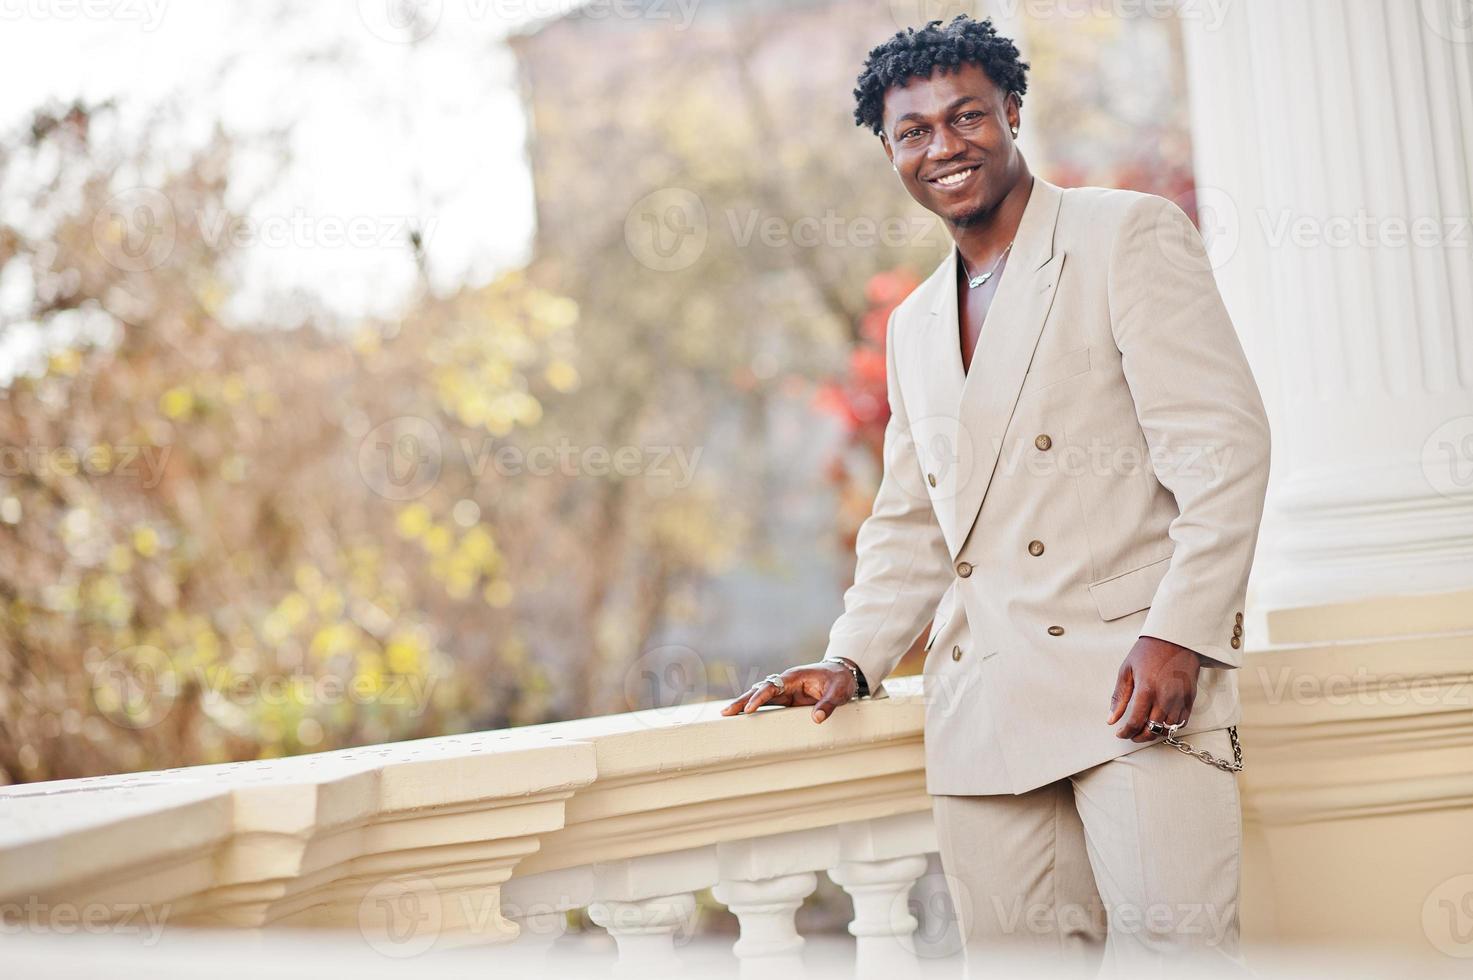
1157	682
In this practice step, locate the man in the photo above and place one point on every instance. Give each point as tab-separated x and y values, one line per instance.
1075	466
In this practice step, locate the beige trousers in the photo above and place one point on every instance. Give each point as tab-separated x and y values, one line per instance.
1131	864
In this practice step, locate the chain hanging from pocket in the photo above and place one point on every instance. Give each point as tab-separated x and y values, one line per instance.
1181	745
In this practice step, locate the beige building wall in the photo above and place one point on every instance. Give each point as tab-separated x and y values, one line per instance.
1334	141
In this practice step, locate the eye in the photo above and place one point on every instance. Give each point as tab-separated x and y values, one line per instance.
908	132
972	113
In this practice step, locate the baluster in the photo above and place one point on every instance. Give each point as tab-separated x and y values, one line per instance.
765	910
645	930
883	924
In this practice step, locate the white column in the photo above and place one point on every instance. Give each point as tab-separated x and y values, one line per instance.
883	923
881	862
764	881
645	931
765	910
646	904
1334	158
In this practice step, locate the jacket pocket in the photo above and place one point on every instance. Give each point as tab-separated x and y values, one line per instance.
1128	592
945	610
1057	369
937	625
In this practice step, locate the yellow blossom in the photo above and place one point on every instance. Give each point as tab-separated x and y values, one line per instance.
145	540
177	403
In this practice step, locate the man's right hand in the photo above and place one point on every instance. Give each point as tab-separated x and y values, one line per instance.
825	685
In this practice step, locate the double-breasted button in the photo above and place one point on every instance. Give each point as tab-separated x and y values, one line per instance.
1035	548
956	653
1043	442
931	478
1236	642
964	568
1056	631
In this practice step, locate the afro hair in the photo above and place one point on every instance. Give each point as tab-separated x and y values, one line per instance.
917	53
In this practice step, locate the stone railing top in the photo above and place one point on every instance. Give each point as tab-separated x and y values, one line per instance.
301	838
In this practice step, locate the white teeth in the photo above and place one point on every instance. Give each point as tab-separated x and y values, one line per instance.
954	179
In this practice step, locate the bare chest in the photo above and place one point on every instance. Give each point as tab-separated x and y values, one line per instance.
972	306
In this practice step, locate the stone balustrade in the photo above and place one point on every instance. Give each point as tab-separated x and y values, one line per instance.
1356	740
493	837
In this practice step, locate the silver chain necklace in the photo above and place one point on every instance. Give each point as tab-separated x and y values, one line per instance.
974	281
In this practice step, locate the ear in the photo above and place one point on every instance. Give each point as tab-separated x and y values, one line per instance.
889	151
1014	110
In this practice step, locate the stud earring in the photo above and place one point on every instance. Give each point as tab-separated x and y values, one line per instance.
1015	132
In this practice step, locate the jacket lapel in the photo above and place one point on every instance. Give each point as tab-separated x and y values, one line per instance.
1025	293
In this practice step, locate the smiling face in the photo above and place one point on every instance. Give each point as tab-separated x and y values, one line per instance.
950	138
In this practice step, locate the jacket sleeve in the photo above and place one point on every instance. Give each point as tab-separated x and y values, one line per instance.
1203	421
902	564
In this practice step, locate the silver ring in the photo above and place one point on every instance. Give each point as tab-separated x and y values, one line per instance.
1157	728
776	680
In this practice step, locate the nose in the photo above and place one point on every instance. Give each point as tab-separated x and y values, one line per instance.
945	145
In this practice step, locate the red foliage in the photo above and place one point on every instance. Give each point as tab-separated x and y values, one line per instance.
858	398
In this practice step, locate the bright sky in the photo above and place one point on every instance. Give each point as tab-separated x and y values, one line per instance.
382	132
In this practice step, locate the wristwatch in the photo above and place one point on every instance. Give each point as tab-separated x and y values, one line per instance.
863	690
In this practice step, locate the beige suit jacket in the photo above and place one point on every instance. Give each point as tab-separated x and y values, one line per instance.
1098	475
